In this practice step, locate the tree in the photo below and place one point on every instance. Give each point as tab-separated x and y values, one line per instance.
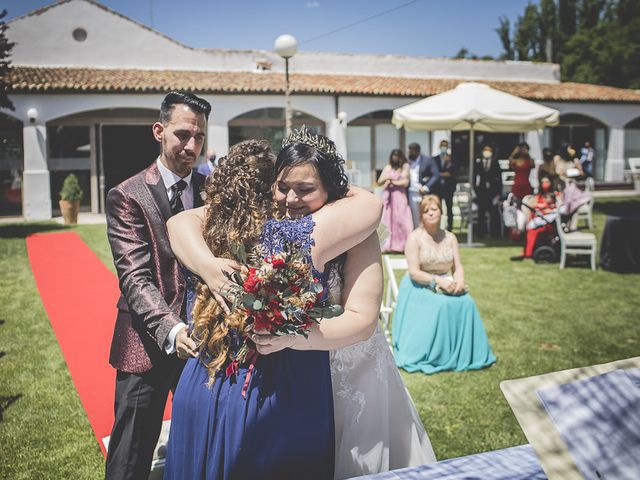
504	32
5	63
594	41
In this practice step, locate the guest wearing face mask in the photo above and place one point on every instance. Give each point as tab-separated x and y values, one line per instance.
447	184
567	164
487	184
546	204
548	169
587	157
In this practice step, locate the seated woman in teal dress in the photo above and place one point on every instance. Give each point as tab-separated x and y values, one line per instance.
436	325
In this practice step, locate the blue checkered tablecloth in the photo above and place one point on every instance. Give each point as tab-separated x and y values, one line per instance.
515	463
599	420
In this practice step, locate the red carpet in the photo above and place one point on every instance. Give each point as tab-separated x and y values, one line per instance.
79	294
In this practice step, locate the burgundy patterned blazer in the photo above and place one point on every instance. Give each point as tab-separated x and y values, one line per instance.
151	280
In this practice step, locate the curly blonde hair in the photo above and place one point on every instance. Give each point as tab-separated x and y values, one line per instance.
239	200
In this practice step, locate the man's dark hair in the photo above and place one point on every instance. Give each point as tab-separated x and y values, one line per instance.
414	146
197	104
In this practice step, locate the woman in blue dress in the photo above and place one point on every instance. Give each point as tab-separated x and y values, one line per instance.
436	324
272	418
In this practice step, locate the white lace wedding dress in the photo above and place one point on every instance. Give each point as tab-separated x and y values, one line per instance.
377	426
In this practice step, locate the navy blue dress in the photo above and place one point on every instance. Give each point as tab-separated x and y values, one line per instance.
283	428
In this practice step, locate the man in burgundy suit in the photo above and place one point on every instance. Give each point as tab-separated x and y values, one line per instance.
150	341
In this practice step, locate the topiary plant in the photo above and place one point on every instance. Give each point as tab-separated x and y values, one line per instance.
71	189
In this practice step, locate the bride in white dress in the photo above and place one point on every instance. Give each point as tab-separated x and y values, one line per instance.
377	427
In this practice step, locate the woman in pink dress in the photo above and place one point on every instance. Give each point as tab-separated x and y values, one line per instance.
396	215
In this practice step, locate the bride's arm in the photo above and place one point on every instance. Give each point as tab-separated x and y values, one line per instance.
343	224
339	226
361	296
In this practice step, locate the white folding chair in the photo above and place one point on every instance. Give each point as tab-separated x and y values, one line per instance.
507	181
584	212
589	184
634	172
576	243
462	205
390	265
504	164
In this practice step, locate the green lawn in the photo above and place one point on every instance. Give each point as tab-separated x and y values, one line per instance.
539	319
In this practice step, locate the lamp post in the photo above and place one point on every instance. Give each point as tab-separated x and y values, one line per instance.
286	46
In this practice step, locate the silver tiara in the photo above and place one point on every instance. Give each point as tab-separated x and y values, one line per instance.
308	137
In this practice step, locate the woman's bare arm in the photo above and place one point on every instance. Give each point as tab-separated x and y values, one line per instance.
344	224
383	176
403	181
339	227
361	297
189	247
458	270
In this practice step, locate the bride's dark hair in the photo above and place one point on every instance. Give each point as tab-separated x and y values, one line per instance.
239	201
330	166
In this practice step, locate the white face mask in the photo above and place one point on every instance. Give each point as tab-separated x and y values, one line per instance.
486	154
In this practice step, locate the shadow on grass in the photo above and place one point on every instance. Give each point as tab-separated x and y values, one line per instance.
6	401
16	230
621	207
488	241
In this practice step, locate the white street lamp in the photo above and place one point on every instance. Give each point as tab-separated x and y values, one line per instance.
286	46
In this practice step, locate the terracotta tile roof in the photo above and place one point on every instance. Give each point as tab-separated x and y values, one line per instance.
91	80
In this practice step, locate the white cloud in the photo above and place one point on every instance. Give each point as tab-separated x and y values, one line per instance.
313	4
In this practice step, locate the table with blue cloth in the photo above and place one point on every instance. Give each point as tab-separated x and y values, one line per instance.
620	244
515	463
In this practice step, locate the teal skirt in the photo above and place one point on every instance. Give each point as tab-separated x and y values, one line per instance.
433	332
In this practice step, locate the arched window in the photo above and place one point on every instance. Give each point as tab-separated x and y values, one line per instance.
370	139
578	129
631	141
11	165
269	123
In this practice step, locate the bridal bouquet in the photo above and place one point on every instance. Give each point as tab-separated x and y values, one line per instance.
279	294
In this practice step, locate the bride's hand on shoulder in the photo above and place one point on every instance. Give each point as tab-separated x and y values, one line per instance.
266	343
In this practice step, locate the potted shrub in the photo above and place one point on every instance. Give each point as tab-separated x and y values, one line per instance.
70	197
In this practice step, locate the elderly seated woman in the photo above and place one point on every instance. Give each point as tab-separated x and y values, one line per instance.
436	325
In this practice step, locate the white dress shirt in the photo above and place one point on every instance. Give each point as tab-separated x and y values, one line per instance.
169	178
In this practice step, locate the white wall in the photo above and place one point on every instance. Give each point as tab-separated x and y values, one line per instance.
114	41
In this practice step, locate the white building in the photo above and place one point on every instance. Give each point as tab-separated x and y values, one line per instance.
87	83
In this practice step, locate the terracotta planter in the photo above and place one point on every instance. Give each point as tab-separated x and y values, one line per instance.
69	209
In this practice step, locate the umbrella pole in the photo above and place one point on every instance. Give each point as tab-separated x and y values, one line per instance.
470	222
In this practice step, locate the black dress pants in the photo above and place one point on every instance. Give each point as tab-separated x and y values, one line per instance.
448	200
140	400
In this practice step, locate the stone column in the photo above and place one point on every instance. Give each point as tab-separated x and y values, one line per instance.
37	187
614	167
534	139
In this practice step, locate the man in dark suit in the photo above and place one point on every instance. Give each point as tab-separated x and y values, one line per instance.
150	340
487	184
447	182
423	178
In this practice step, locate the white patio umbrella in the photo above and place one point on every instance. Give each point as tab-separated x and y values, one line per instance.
474	107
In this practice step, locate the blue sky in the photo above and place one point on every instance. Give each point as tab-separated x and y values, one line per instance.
431	28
